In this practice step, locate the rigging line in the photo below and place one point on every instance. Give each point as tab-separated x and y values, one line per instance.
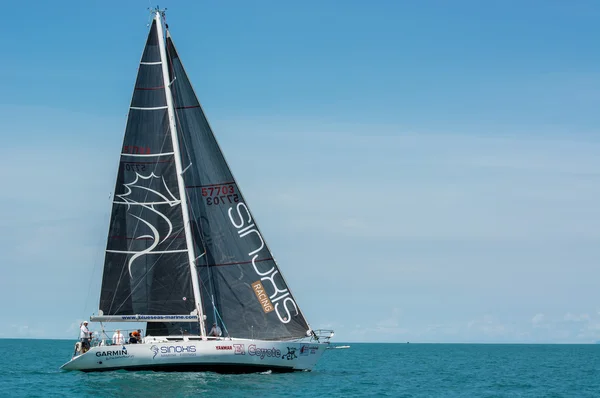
189	156
174	91
164	17
165	286
192	209
142	279
186	146
201	237
117	180
148	271
205	120
97	257
215	309
178	119
219	316
134	233
128	247
126	258
150	16
184	170
110	220
211	288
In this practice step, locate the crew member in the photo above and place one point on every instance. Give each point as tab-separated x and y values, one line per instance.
132	339
118	338
215	331
85	336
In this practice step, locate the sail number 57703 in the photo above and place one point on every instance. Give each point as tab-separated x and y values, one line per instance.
221	194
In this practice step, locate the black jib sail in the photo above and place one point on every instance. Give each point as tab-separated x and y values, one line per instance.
242	287
146	268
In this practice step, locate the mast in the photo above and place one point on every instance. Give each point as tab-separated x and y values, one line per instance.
179	170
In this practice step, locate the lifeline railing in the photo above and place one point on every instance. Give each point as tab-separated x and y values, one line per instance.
322	335
105	337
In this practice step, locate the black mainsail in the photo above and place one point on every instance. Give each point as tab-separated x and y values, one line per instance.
147	268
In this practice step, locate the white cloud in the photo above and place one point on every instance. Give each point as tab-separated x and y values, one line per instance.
489	326
537	319
25	331
569	317
383	330
427	215
438	186
392	322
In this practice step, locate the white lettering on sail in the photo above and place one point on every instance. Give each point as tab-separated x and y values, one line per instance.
256	267
262	242
245	228
289	317
280	297
277	290
241	217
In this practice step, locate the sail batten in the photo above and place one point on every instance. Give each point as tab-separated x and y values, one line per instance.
143	203
148	253
147	155
148	108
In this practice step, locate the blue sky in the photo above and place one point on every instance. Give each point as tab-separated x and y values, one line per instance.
423	171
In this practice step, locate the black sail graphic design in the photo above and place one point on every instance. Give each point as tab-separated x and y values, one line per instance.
236	268
146	268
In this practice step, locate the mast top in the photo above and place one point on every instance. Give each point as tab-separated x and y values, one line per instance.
158	10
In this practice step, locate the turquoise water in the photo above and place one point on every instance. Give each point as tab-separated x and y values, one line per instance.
30	369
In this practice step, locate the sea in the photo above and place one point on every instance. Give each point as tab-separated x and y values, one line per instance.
30	368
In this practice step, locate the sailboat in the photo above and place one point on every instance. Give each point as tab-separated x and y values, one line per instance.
184	251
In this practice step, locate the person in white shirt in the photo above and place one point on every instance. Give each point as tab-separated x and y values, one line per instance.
85	336
215	331
117	338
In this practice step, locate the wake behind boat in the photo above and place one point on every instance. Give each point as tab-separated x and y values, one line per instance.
183	249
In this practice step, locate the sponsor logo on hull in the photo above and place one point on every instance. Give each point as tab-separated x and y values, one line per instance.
306	349
174	351
291	354
239	349
120	353
253	350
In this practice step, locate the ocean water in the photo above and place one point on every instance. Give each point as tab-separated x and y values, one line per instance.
29	368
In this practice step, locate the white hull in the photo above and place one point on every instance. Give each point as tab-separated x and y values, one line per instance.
228	356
